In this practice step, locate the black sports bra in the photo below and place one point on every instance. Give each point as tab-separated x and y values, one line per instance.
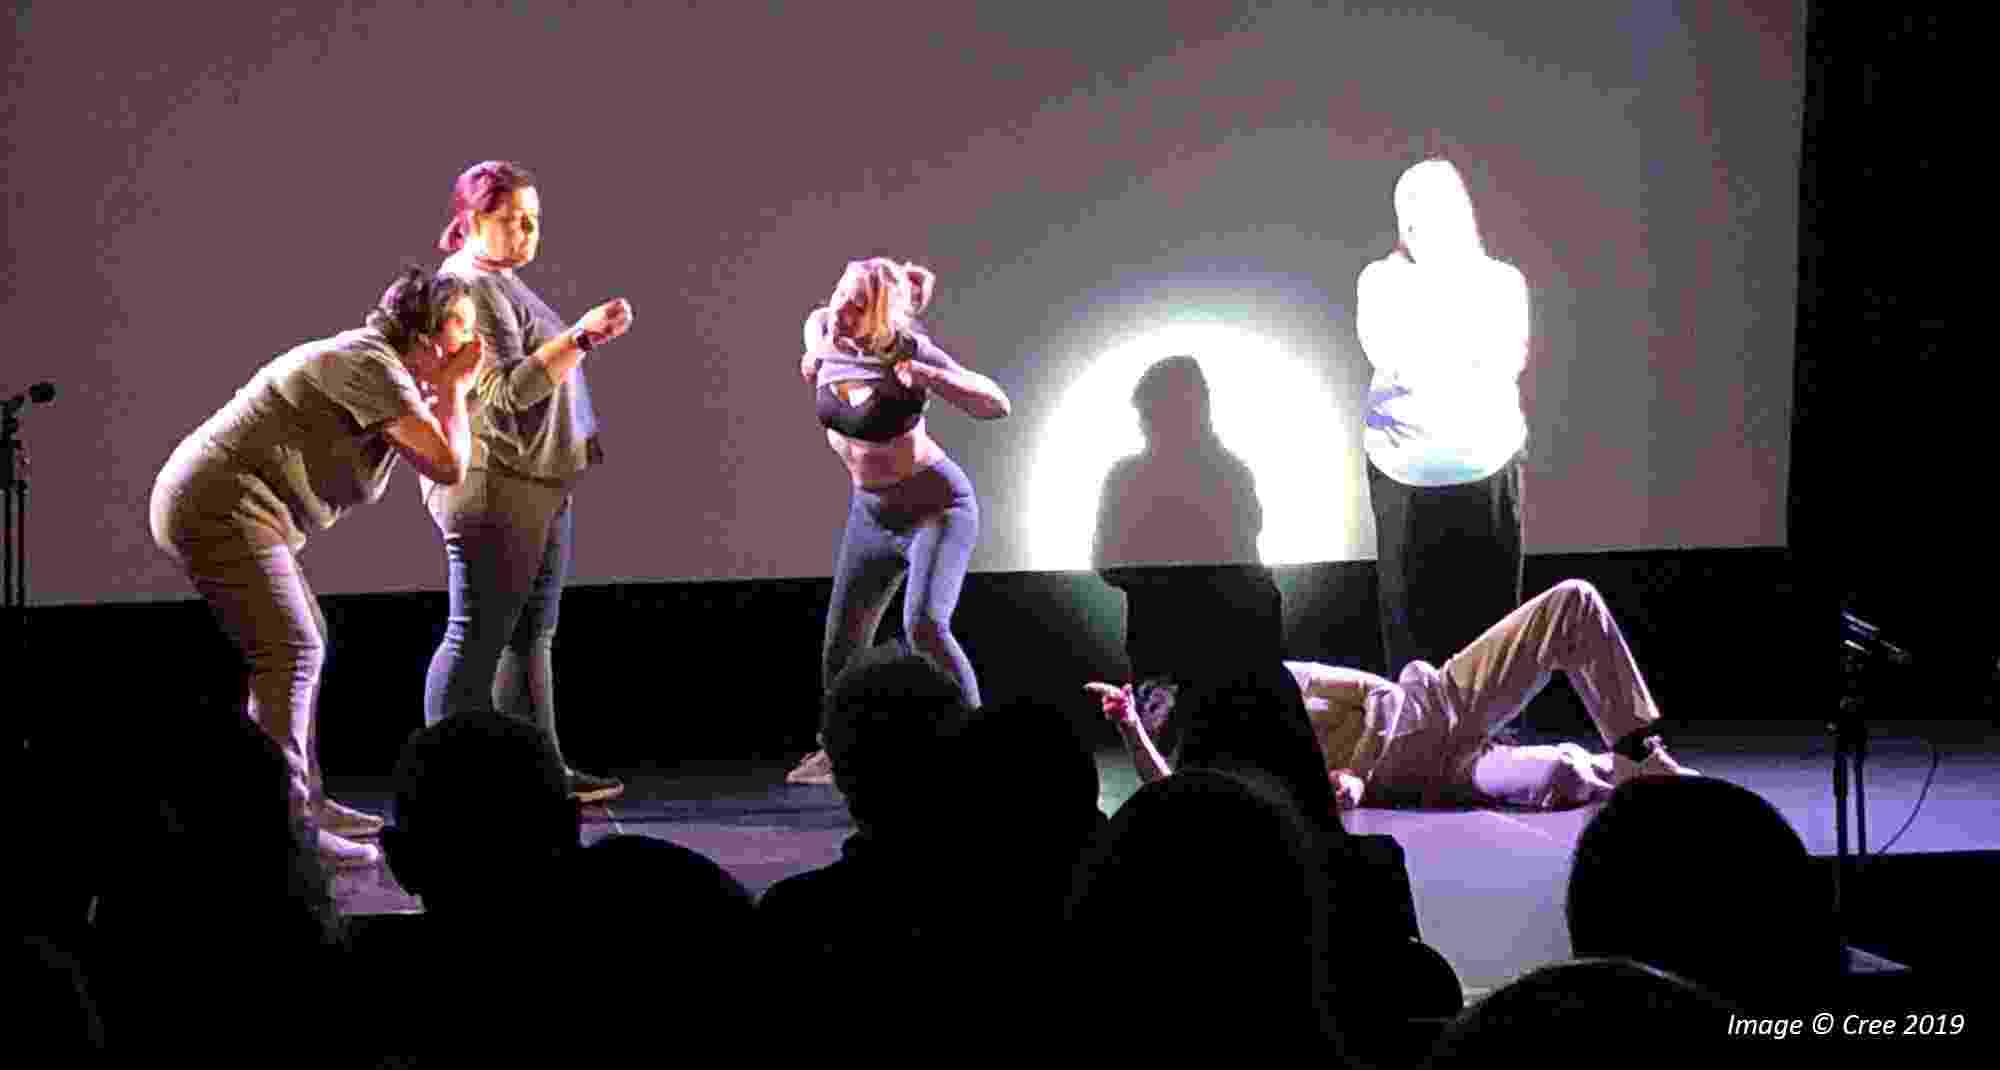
891	410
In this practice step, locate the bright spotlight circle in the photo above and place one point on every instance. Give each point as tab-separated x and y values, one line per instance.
1269	408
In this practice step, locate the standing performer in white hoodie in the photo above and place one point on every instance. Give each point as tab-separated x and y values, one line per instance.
1446	328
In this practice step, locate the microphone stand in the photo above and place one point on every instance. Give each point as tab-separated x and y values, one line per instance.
13	534
14	522
1864	655
14	483
1850	744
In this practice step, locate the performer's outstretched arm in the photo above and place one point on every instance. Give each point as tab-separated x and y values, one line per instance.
1119	707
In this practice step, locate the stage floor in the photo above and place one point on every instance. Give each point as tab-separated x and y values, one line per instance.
1488	884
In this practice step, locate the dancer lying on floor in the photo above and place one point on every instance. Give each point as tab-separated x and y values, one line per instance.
1427	738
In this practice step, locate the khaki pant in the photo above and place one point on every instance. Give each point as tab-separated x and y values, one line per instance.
260	598
1445	718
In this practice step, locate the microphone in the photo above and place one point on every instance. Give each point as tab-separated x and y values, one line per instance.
38	394
1864	638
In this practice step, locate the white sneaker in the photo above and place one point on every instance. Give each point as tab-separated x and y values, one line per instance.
346	821
1656	763
817	768
343	853
1659	763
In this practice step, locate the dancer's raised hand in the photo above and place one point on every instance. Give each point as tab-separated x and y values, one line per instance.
1116	702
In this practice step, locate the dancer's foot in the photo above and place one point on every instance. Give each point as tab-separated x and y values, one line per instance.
345	821
1594	774
343	853
817	768
590	788
1658	762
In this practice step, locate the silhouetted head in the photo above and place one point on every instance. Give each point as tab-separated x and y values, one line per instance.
1173	401
696	911
887	726
1586	1001
215	872
1434	215
495	209
1001	741
1251	716
1705	879
222	788
1219	873
478	794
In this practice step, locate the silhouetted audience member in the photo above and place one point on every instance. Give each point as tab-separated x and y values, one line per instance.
1601	1005
212	895
1705	879
1200	919
1250	715
486	834
1394	991
697	901
476	793
876	913
683	927
1253	721
1019	849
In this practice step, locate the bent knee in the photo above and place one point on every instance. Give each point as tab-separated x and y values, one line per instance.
1579	591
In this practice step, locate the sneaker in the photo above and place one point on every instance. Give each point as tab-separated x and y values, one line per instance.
817	768
590	788
1659	763
1656	763
343	853
346	821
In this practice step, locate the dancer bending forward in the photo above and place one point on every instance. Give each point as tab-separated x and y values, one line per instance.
1427	738
315	433
913	510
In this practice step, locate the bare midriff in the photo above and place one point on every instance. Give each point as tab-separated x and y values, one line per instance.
874	465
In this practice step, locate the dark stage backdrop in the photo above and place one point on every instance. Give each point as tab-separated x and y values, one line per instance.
190	193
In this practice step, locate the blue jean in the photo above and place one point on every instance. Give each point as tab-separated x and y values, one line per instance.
507	552
926	526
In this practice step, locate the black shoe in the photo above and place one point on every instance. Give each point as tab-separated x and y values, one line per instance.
587	788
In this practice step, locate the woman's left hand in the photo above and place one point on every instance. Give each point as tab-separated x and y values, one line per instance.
907	374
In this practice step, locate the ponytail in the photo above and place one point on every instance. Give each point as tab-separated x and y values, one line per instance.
453	238
479	189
